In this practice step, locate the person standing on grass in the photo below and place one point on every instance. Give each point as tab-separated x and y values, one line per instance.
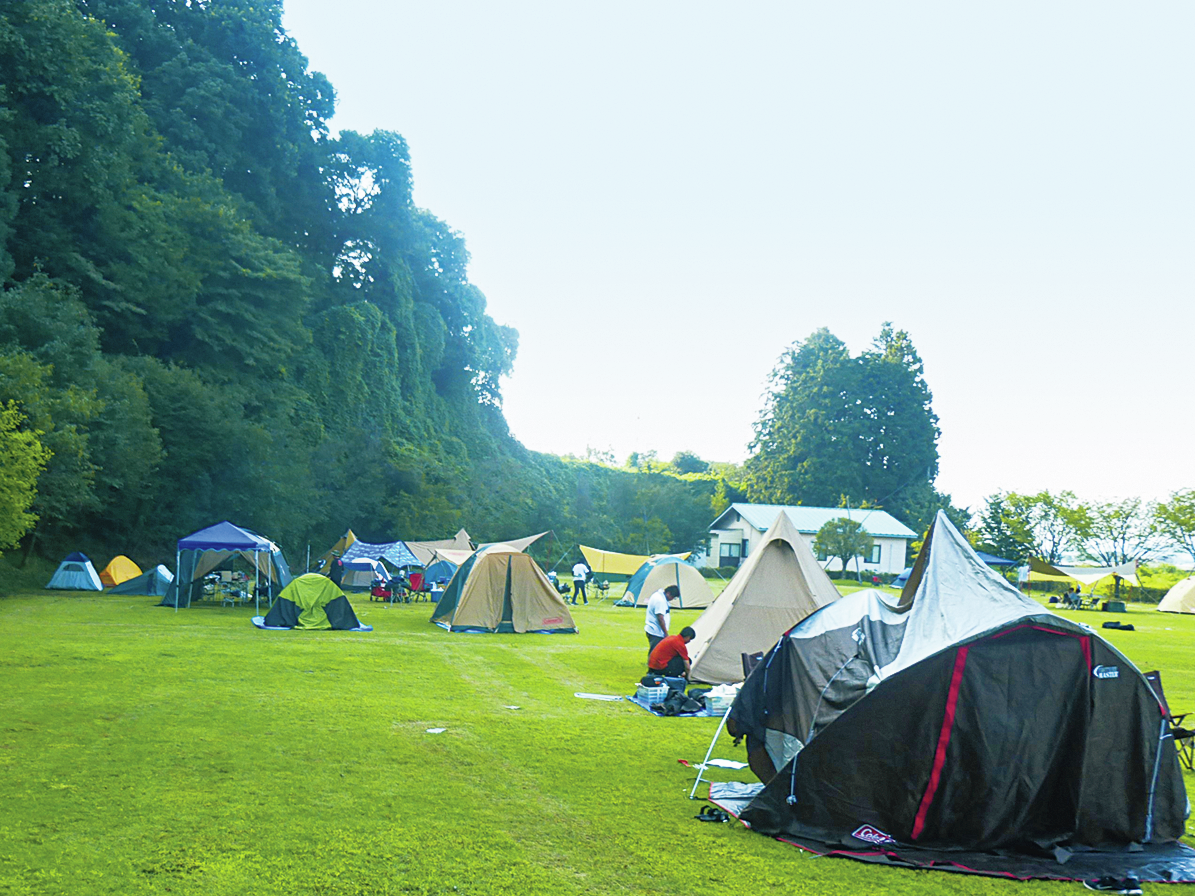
580	571
658	614
671	656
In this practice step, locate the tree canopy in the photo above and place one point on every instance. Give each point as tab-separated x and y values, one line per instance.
858	429
214	308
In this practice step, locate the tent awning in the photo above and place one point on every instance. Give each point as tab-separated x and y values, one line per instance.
224	537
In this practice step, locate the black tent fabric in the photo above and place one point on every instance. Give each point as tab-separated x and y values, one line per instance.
966	719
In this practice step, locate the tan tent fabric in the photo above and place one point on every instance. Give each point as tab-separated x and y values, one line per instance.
778	585
521	544
423	550
497	578
615	564
1180	598
456	558
120	569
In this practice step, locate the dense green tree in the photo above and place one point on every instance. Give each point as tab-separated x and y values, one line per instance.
843	538
1175	520
1116	532
22	458
838	427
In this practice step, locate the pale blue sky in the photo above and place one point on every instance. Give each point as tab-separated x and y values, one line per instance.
661	196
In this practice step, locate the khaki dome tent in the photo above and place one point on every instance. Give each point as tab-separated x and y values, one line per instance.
660	572
1180	598
778	585
120	569
499	589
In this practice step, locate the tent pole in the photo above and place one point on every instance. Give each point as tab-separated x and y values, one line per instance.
178	569
701	769
256	583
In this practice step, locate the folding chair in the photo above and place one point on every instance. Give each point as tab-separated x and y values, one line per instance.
1184	738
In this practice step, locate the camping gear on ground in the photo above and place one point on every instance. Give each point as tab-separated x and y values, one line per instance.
500	589
1120	626
615	567
659	572
152	584
652	693
312	602
119	569
1180	598
209	549
778	585
965	724
75	573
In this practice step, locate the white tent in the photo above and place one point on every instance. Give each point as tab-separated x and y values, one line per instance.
1180	598
778	585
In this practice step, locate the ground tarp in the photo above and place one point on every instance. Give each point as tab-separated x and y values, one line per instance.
778	585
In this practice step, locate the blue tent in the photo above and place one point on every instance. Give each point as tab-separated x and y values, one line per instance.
75	573
209	549
153	583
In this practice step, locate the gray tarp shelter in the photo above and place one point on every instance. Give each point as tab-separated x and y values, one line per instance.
208	549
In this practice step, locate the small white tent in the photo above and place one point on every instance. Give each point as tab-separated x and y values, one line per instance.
75	573
1180	598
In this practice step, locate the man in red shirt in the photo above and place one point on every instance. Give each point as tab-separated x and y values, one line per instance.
670	657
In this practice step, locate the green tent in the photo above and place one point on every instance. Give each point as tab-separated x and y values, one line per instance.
312	602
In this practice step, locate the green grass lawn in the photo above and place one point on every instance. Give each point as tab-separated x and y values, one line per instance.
148	751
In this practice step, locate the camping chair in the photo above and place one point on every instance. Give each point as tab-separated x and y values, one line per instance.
1184	738
602	588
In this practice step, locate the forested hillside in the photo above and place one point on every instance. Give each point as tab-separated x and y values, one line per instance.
214	308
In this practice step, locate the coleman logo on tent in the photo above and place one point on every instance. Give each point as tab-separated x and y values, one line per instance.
868	834
1106	672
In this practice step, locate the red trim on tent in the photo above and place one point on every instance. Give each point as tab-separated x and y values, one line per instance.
956	680
1085	640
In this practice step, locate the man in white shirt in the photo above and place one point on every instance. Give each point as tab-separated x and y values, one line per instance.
658	615
580	571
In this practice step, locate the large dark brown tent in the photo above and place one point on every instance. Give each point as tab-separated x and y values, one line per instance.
963	727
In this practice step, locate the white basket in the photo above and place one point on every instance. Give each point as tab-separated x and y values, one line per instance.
718	703
651	695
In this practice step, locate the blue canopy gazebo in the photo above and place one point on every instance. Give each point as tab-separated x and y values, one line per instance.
205	550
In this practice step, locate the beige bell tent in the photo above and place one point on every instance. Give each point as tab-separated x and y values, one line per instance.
778	585
423	550
500	589
662	571
119	569
1180	598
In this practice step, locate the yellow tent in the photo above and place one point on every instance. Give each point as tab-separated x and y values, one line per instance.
120	569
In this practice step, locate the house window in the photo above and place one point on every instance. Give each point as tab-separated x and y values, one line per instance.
729	551
822	556
874	556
